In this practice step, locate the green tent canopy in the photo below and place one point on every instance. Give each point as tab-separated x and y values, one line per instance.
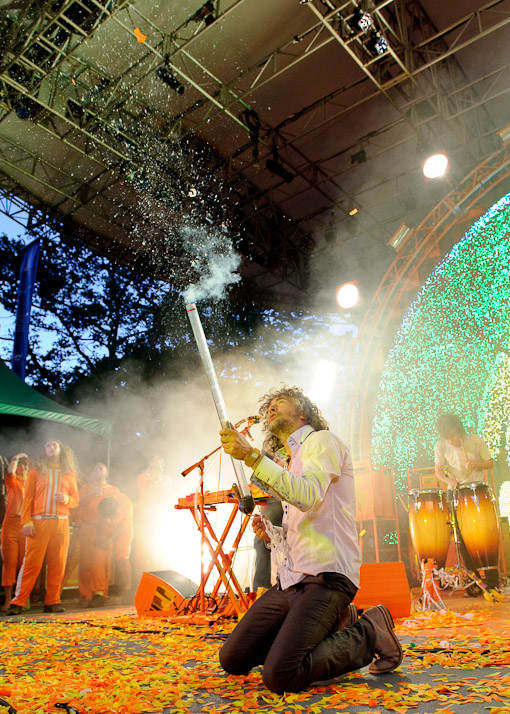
18	398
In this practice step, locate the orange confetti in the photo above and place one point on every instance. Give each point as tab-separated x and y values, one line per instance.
139	35
127	665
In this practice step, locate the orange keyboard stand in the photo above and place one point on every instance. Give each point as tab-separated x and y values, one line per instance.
220	560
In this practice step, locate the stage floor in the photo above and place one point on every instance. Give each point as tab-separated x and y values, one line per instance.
110	661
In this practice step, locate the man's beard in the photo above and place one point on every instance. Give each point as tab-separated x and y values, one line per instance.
279	425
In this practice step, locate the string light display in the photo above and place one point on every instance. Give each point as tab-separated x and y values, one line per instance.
450	352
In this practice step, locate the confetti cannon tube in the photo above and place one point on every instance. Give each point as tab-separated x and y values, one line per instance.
246	504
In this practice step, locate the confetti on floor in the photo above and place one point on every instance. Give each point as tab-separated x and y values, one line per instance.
109	663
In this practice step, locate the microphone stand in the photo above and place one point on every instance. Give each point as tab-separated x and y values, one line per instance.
200	465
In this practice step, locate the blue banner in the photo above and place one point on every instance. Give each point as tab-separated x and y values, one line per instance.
30	258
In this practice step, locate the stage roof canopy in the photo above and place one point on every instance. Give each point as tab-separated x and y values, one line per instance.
314	115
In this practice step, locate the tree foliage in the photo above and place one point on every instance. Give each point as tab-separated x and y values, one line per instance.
91	315
113	342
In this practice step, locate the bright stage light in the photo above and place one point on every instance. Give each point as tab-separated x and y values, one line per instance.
362	20
323	381
435	166
377	44
347	295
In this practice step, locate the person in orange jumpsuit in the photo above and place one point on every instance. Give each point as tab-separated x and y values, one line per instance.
94	561
12	539
50	492
151	516
115	534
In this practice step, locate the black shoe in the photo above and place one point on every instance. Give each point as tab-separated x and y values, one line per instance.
387	647
97	601
57	607
14	610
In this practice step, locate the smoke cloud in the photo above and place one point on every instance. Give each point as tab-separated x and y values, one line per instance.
213	258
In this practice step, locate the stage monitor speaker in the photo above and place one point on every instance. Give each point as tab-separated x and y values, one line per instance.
384	584
162	593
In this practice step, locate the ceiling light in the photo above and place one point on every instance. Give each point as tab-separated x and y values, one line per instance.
26	108
278	170
347	295
435	166
359	157
170	79
362	20
205	13
377	44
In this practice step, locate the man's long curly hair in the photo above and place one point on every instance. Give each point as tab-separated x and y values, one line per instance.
309	410
67	460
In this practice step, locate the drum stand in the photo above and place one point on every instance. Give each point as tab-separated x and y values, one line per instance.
463	578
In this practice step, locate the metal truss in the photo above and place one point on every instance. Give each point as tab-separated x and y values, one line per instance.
98	116
57	95
422	105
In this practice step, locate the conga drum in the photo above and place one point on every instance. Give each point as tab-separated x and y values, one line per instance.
429	524
477	516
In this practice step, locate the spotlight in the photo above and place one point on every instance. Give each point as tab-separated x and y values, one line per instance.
347	295
436	165
359	157
205	13
23	112
362	20
170	79
278	170
26	108
377	44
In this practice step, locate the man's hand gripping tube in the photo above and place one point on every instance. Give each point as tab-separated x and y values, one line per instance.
246	504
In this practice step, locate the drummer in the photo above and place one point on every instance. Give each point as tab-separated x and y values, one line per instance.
462	458
459	457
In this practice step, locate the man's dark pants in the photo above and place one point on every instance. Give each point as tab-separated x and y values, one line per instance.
292	633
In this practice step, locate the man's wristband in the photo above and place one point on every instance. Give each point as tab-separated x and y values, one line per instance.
252	459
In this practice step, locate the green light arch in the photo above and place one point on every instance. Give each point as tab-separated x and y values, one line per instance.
448	354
